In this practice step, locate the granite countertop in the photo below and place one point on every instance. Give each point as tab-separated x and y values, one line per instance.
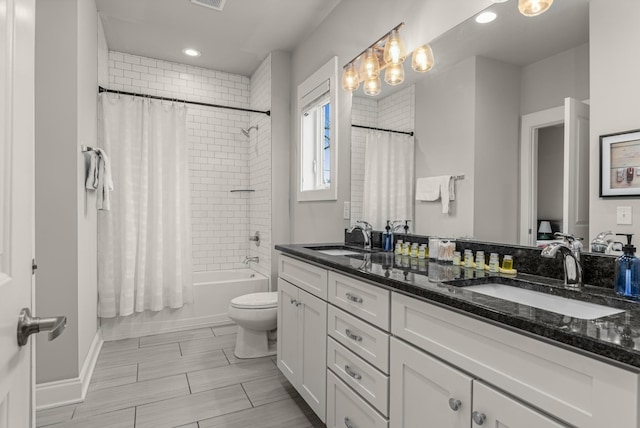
614	339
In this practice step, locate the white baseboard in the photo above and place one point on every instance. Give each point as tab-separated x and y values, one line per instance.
70	391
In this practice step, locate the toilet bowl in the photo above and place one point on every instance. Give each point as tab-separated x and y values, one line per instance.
256	314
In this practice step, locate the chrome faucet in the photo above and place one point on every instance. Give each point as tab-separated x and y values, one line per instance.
251	259
570	250
366	232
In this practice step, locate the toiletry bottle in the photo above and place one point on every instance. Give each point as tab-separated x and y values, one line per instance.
399	247
387	238
480	260
507	262
628	271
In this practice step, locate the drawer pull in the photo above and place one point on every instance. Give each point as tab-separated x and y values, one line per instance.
353	298
351	373
454	404
353	336
348	423
478	418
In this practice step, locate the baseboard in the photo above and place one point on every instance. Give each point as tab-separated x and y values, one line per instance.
70	391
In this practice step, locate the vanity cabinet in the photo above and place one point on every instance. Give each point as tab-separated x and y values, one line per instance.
302	332
560	384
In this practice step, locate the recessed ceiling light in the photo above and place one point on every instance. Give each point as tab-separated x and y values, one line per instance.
485	17
190	52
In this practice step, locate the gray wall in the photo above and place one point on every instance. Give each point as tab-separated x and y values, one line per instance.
615	98
550	172
348	29
66	280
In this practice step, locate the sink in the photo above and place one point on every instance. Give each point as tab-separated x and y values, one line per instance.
548	302
338	250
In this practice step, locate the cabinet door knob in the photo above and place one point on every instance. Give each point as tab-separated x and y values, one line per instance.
353	336
478	418
454	404
353	298
348	423
351	373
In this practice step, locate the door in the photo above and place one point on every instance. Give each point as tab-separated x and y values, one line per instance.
425	392
288	330
17	38
494	409
313	352
575	209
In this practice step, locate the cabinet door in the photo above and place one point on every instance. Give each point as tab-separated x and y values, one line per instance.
313	351
346	409
426	392
494	409
288	330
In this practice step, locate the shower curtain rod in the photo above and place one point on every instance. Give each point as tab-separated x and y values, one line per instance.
178	100
382	129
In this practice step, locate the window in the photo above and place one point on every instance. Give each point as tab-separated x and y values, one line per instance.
318	148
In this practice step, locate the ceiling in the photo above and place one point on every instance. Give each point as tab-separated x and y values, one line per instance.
235	40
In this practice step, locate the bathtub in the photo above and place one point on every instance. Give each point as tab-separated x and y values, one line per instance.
212	292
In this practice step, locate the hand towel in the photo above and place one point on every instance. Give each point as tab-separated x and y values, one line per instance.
447	190
92	174
105	181
428	189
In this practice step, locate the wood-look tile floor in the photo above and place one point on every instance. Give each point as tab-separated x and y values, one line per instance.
188	379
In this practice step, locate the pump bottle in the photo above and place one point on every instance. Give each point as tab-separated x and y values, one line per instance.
628	271
387	237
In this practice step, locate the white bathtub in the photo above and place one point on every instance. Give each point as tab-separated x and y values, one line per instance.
212	292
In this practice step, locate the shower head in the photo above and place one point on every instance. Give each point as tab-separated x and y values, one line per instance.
247	130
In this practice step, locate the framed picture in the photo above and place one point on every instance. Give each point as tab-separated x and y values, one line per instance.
620	164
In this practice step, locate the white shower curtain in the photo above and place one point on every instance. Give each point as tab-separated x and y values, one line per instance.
388	178
144	242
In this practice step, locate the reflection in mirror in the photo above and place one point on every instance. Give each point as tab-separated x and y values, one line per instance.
468	110
318	143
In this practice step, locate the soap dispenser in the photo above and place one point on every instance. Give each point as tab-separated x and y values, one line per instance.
387	237
628	271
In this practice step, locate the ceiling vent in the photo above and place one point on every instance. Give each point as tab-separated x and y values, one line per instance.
211	4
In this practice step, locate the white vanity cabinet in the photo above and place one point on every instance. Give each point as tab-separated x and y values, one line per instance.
543	385
302	331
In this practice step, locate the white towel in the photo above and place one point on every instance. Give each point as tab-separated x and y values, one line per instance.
105	181
92	174
434	188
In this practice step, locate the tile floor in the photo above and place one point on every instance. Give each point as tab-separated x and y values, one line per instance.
188	379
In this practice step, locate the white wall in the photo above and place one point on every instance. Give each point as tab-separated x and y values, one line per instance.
424	19
218	152
66	80
615	97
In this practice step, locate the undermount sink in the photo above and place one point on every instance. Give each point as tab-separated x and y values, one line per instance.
548	302
338	250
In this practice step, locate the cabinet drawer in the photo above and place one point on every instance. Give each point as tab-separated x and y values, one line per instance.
363	339
345	409
366	380
308	277
363	300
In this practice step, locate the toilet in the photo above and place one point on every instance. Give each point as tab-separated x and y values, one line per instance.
256	315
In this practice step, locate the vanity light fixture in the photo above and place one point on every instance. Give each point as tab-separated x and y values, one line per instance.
191	52
533	7
386	55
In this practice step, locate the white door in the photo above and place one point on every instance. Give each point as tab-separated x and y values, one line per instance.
575	209
425	392
17	38
288	330
493	409
313	352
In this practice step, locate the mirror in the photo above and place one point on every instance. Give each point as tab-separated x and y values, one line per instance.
317	105
467	111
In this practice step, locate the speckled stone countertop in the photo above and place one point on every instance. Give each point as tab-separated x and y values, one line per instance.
614	339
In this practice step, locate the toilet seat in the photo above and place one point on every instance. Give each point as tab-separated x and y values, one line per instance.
256	301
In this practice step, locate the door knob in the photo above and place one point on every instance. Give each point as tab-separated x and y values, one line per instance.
27	325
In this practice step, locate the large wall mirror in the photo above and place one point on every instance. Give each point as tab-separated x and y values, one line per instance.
467	115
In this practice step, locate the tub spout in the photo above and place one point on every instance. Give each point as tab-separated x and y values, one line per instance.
251	259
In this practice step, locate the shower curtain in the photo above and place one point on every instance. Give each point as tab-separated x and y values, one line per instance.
144	242
388	178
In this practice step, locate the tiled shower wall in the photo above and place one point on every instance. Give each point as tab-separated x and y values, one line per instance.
219	155
260	168
395	112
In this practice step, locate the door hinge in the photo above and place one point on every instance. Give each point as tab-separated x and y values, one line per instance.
529	231
34	266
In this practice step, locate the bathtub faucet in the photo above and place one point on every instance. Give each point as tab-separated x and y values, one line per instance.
251	259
